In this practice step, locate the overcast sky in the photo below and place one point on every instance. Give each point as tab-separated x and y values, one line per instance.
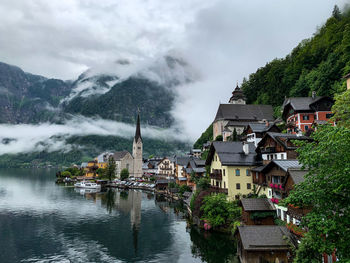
225	40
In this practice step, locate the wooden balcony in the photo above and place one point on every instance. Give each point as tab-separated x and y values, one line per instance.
216	176
268	150
217	189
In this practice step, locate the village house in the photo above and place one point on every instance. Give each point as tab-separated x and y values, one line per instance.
258	244
196	167
150	167
102	159
301	112
257	211
166	168
196	153
279	146
180	166
254	132
236	115
90	170
230	165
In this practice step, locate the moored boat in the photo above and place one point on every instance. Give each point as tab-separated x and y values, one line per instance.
87	185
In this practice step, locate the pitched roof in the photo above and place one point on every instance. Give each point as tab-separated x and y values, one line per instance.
119	155
260	126
183	161
283	164
257	204
258	169
231	153
297	175
244	112
264	237
283	138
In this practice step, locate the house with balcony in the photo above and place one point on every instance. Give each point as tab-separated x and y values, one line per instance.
279	146
180	166
196	167
230	165
254	132
301	112
166	168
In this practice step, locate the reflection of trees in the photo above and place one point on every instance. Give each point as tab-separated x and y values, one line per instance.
124	195
213	247
108	200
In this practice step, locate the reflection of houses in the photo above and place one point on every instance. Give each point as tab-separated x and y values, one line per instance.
123	160
257	211
166	168
230	165
237	115
300	113
263	244
279	146
254	132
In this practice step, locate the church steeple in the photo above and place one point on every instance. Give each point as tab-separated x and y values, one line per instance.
237	96
138	128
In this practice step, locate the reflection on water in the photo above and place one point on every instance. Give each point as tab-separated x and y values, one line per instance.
43	222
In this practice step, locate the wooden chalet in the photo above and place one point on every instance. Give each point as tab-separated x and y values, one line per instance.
257	211
258	244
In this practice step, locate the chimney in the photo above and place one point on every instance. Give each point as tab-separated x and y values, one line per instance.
313	95
267	123
245	148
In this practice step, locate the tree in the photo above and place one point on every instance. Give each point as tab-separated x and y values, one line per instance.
326	190
101	172
341	109
234	135
110	169
66	174
219	138
124	174
218	211
203	183
336	12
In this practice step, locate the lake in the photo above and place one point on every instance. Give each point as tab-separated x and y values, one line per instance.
44	222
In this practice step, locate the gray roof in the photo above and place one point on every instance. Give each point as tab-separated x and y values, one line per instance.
283	138
300	103
183	161
264	237
257	204
119	155
297	175
285	164
260	127
231	153
258	169
244	112
199	162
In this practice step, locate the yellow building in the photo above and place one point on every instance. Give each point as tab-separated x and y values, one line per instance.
230	165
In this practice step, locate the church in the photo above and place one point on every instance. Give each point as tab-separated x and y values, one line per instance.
137	148
236	115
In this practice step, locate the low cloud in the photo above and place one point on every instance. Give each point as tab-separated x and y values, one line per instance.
24	138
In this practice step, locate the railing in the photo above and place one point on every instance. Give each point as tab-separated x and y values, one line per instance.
216	176
217	189
268	150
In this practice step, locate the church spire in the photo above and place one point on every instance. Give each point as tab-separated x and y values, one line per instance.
138	128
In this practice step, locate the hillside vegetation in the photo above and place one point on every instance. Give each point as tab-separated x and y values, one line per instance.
316	64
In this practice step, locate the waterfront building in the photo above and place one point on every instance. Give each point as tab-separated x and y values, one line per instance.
180	166
137	150
263	244
166	168
102	159
301	112
230	165
123	160
257	211
236	115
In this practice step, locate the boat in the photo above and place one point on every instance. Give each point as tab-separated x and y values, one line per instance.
87	185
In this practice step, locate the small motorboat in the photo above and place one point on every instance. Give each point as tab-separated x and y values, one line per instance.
87	185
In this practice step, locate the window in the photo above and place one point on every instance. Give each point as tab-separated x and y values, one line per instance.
306	127
224	171
224	184
296	119
256	175
305	117
238	186
247	172
276	179
249	186
238	172
329	115
127	166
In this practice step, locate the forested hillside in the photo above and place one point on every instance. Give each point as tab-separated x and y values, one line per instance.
316	64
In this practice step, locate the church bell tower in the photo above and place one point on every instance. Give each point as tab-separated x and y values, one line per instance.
137	149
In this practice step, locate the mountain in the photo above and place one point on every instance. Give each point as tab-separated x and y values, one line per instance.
113	92
316	64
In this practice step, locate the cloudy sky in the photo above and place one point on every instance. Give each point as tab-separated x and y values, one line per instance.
225	40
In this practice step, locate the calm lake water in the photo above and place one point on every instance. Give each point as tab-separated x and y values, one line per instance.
43	222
